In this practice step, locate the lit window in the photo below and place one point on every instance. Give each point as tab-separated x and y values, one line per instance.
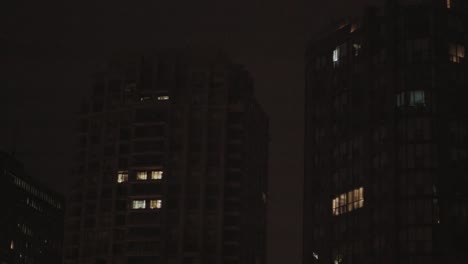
141	175
348	201
155	204
357	48
411	98
336	55
139	204
336	206
122	176
338	259
456	53
342	203
416	98
315	255
145	98
339	54
359	198
350	198
449	4
156	175
12	245
163	98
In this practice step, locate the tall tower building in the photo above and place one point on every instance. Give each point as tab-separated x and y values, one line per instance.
386	137
171	162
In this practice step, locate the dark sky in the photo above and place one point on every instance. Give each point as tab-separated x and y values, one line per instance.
48	49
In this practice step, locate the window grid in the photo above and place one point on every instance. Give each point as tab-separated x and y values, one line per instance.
347	202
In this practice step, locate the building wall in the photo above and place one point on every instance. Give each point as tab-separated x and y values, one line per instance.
384	113
31	222
192	119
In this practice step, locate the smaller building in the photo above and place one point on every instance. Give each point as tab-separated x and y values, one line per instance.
31	217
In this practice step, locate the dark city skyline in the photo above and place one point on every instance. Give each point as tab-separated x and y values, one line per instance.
52	48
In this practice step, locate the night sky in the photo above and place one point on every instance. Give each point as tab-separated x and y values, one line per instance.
49	49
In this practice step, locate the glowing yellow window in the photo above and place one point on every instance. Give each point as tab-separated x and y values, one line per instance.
361	197
122	176
335	206
342	203
163	98
449	4
12	245
155	204
456	53
350	201
156	175
141	175
138	204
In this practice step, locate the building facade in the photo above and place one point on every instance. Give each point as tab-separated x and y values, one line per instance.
386	137
171	162
31	221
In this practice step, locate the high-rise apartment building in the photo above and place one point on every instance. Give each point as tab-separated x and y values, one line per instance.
386	137
171	162
31	217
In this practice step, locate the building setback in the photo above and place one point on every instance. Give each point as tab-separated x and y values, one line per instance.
31	221
171	162
386	137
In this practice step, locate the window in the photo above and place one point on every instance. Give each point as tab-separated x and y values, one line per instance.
336	54
163	98
358	198
449	4
122	176
347	202
155	204
338	259
339	54
141	175
12	245
335	206
139	204
417	50
315	255
357	49
411	98
400	99
416	98
145	98
156	175
456	53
